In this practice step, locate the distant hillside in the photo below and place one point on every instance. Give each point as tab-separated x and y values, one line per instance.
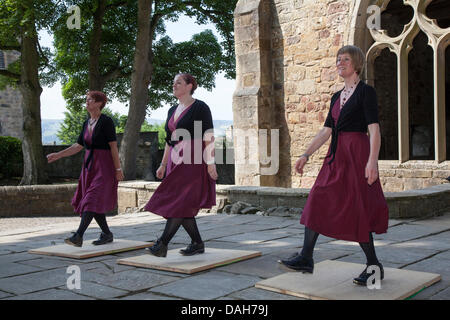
50	127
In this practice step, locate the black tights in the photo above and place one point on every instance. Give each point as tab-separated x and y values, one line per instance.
310	241
86	219
172	225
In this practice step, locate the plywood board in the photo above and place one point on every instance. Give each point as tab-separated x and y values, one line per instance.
176	262
88	250
333	280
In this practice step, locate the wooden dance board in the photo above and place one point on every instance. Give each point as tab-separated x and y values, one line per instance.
88	250
333	280
175	262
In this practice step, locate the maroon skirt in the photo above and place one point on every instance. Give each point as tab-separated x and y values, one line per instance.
186	188
341	204
97	187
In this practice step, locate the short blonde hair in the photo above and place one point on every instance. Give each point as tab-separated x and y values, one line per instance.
357	56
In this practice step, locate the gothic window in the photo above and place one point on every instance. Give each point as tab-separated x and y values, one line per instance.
408	63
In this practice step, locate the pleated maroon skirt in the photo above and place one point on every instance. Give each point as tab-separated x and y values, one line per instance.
341	204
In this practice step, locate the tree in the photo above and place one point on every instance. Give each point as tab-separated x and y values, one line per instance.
20	20
73	123
127	62
202	56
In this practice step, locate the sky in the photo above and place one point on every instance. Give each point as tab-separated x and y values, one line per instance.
219	99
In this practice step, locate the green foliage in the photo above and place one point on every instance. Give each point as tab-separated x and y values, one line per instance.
115	61
20	18
73	124
11	157
203	55
160	128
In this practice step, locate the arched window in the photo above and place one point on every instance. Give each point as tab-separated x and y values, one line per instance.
408	63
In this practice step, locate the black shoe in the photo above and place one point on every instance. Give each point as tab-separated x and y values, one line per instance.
364	276
193	248
159	249
299	263
74	240
104	238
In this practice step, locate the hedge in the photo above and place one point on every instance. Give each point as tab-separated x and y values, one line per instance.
11	157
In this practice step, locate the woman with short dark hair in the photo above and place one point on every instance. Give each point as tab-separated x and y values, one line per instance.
96	193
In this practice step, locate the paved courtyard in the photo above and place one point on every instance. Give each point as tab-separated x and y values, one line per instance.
421	245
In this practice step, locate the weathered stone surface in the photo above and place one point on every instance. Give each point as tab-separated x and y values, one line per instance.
207	286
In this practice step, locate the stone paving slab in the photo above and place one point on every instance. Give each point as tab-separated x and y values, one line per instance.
14	269
255	237
207	286
97	291
51	294
132	280
410	231
36	281
439	241
396	255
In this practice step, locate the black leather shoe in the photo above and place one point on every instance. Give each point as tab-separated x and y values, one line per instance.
103	239
299	263
364	276
159	249
193	248
74	240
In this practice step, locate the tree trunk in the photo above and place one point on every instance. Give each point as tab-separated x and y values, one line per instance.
29	86
140	80
95	78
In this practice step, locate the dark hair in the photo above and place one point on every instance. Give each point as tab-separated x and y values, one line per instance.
189	79
98	96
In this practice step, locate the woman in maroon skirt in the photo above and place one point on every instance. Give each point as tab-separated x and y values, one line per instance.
346	201
188	163
97	187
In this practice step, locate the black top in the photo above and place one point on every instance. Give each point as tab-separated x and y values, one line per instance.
360	110
104	132
198	111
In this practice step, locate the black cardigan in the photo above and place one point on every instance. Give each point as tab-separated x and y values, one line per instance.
359	111
199	111
104	132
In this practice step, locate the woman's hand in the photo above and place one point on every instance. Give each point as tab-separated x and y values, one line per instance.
213	171
371	171
300	164
160	172
52	157
119	175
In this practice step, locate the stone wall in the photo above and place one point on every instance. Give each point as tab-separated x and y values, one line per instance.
32	201
287	75
11	118
426	202
146	162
